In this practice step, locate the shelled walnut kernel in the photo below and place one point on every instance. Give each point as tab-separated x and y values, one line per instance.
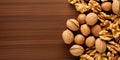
95	33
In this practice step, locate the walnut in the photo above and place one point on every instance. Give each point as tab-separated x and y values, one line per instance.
105	35
115	29
105	24
86	57
104	16
111	49
81	6
114	45
94	6
112	56
91	52
99	56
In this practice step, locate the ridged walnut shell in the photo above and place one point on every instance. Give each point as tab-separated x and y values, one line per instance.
116	7
95	30
72	24
67	36
85	29
100	45
76	50
79	39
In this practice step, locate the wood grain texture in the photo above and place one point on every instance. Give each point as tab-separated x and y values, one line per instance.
31	29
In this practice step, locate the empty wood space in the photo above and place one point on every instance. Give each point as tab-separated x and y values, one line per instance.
31	29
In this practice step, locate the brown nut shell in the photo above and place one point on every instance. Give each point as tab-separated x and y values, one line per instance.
106	6
85	29
76	50
91	18
72	24
90	41
67	36
95	30
81	18
79	39
100	45
116	7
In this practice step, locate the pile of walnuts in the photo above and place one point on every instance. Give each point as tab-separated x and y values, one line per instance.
95	33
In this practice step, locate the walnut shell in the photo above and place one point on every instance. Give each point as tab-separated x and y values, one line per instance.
85	29
79	39
116	7
72	24
106	6
90	41
95	30
100	45
91	18
67	36
81	18
76	50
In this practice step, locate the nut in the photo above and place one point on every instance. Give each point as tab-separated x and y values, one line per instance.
91	19
115	29
100	45
76	50
105	35
104	16
90	41
86	57
106	6
94	6
91	52
81	18
99	56
105	24
114	46
72	24
79	39
95	30
116	7
111	49
68	36
85	29
81	6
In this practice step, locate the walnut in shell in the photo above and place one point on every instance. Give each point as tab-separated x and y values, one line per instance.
91	19
90	41
95	30
76	50
85	29
67	36
100	45
79	39
72	24
116	7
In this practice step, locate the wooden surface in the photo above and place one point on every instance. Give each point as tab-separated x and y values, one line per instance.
31	29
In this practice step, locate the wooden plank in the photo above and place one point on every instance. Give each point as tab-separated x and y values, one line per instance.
31	29
35	9
33	1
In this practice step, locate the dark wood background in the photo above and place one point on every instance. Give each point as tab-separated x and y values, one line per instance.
31	29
